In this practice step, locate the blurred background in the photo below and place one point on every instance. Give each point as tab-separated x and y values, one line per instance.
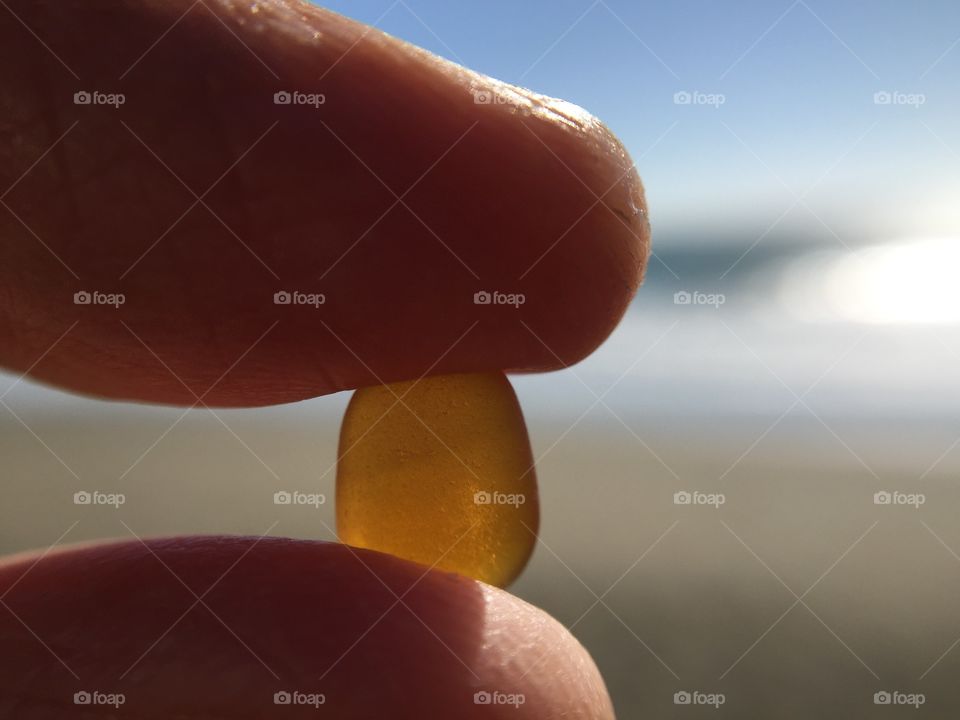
793	352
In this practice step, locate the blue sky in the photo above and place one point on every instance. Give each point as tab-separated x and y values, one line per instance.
798	119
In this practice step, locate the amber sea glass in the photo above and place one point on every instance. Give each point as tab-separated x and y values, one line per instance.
439	471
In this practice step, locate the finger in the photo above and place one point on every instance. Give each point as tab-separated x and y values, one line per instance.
373	635
415	185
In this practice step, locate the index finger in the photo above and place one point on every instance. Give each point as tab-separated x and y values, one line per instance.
253	204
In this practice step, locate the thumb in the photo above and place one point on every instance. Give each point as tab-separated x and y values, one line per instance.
205	627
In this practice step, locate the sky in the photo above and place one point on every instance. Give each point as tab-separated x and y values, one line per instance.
812	181
785	109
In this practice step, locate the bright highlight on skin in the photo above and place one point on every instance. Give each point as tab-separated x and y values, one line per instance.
439	471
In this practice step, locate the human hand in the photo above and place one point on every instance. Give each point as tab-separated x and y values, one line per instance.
197	200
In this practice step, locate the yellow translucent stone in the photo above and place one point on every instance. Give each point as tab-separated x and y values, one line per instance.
439	471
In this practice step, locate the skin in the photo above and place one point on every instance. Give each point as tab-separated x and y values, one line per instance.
287	616
530	196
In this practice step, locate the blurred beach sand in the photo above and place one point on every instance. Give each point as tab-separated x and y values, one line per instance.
796	597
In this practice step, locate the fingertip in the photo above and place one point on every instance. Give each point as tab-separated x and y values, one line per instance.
559	674
415	186
216	626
